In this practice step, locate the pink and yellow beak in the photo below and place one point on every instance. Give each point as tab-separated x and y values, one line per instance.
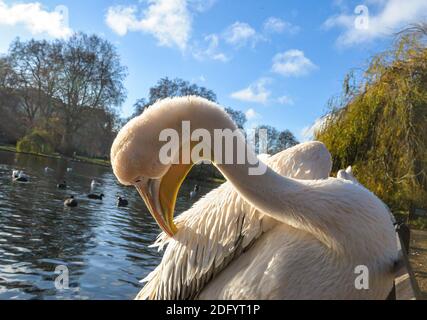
160	196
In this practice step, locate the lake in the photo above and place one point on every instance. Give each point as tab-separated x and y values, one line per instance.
105	248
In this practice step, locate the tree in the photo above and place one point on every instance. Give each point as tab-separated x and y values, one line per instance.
70	89
166	88
238	117
382	130
36	73
5	73
277	141
286	140
100	129
139	107
91	78
10	116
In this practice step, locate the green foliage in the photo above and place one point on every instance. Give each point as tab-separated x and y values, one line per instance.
379	126
419	223
38	142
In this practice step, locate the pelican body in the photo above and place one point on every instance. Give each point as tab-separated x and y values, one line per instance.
290	239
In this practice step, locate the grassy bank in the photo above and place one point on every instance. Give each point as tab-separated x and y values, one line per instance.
95	161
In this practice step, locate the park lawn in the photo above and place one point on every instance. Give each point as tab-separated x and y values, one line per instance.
100	162
8	148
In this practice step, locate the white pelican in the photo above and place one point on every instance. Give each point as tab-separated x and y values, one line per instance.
299	239
310	160
347	174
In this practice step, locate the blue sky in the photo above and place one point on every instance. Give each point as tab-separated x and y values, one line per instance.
277	61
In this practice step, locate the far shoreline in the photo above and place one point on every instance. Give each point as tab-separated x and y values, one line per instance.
79	159
86	160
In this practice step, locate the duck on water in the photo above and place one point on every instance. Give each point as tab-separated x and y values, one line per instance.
71	202
62	186
20	176
121	202
94	196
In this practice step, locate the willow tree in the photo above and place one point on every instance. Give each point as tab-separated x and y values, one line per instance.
379	124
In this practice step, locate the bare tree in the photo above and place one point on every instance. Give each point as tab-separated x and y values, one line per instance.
91	78
10	130
36	76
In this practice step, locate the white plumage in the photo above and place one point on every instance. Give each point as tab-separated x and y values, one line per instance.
221	225
290	239
347	174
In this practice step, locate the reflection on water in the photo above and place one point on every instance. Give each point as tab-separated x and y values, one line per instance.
104	247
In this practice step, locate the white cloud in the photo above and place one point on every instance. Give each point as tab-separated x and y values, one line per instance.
251	114
391	16
201	5
256	92
240	34
169	21
292	63
277	25
212	51
286	100
35	19
121	19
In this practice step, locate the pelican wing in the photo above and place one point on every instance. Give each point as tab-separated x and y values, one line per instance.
219	227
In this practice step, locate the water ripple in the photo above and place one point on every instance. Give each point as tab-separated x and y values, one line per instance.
104	247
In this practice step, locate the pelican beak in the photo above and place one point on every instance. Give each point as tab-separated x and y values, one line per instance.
160	196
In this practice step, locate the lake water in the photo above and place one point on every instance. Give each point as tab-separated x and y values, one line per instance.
105	248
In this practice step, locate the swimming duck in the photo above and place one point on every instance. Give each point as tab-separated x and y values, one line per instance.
62	185
20	176
95	196
121	202
71	202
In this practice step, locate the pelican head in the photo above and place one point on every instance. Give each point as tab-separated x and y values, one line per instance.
135	154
